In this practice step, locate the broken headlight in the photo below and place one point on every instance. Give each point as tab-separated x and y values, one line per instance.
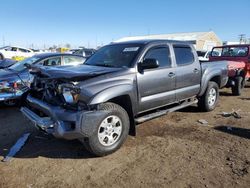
70	93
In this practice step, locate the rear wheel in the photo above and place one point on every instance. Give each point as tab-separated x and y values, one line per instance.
209	100
111	132
239	85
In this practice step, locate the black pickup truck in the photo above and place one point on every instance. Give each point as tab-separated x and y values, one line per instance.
121	85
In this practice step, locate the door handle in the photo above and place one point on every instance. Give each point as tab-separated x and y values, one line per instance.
171	75
196	70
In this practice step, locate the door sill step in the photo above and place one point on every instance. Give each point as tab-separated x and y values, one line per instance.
164	112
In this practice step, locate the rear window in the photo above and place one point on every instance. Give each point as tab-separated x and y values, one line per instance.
201	53
183	55
228	51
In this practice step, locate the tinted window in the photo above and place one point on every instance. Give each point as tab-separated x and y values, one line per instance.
23	50
183	55
161	54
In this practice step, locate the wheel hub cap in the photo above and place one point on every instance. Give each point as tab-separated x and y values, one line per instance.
110	130
212	96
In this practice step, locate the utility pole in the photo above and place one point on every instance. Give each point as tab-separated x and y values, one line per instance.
242	38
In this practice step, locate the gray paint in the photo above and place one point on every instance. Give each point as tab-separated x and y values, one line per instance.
147	89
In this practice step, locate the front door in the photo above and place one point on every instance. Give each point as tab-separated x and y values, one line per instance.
156	86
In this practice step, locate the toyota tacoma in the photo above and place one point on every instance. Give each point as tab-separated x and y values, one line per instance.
121	85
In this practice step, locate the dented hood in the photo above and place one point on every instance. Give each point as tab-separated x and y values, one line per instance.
80	72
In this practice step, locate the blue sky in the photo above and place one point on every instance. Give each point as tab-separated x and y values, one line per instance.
93	22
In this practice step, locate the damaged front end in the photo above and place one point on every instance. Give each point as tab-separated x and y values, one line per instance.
55	106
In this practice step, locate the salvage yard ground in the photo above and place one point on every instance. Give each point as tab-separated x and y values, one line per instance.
172	151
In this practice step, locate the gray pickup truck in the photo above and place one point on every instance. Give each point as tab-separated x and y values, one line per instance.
121	85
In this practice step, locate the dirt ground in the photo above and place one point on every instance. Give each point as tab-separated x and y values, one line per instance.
172	151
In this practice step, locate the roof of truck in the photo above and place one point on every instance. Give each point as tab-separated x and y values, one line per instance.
147	41
233	45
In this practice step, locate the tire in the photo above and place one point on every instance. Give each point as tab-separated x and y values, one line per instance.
1	57
11	102
209	100
239	85
104	142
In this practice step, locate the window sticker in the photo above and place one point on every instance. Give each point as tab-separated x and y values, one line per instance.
131	49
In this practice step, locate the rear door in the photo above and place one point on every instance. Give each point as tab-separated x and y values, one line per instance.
156	86
188	72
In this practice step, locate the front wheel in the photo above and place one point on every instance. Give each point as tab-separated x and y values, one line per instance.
111	133
209	100
1	57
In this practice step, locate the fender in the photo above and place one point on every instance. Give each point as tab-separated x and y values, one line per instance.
112	92
206	78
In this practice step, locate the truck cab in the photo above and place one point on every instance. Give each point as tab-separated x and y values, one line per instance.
238	57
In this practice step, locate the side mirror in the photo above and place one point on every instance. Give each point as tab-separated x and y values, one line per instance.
149	64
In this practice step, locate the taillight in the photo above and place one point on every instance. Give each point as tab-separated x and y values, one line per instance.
15	85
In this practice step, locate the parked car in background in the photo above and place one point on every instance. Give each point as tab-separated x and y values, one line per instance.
238	57
203	55
14	51
72	51
7	63
122	84
15	80
85	52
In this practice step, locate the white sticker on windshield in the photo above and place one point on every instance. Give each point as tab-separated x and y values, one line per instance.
131	49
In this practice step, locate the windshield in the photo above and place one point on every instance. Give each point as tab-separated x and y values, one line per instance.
19	66
116	55
228	51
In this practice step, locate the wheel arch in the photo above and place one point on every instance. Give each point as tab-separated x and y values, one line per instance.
214	78
122	95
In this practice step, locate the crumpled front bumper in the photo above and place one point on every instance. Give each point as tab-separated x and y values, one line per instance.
60	122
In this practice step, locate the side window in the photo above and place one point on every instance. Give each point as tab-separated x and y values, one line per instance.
55	61
22	50
161	54
14	49
183	55
71	60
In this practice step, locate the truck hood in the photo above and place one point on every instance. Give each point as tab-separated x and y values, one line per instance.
74	73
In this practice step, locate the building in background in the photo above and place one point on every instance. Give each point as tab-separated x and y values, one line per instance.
202	41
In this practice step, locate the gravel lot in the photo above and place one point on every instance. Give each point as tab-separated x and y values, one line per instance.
171	151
